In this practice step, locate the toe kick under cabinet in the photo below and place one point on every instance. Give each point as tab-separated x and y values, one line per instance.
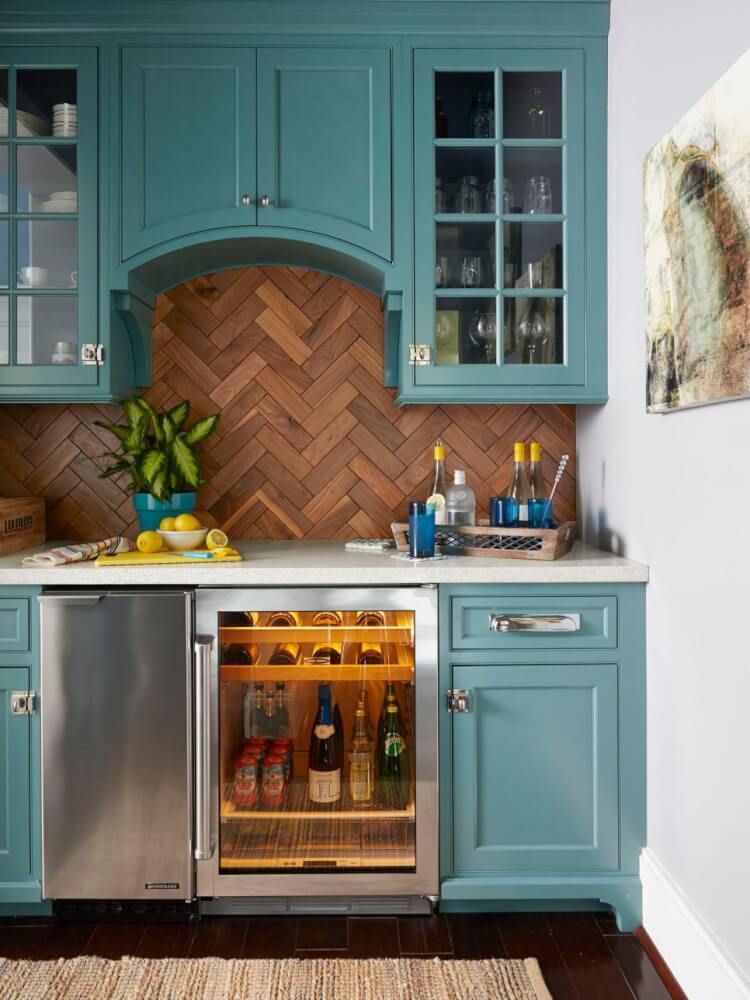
542	736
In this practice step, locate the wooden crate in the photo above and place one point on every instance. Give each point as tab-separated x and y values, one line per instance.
21	523
497	543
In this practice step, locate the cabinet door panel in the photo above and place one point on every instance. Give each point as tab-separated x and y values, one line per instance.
15	767
535	769
188	142
324	143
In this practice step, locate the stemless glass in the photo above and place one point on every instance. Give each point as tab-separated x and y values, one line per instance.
471	272
507	197
490	201
441	273
544	195
530	196
468	196
441	198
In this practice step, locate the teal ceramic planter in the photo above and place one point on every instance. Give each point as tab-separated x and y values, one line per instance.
150	511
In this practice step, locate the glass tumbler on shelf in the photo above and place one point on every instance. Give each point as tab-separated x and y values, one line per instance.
507	197
471	272
442	276
537	198
537	115
468	196
482	118
441	198
490	201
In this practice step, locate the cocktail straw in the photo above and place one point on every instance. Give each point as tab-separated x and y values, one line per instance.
558	477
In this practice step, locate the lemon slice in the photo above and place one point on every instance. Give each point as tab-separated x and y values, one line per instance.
216	539
437	500
225	550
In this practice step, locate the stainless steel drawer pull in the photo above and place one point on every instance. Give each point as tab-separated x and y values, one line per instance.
202	709
500	622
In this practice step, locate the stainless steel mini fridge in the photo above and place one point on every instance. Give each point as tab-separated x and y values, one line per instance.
116	744
265	661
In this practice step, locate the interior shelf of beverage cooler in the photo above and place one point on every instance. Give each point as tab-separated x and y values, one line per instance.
299	807
321	672
246	634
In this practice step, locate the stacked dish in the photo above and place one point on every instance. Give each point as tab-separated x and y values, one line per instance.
26	123
65	119
61	201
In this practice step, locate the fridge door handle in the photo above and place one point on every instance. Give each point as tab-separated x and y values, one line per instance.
202	709
80	600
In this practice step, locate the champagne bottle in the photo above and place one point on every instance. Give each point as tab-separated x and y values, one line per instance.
537	487
286	653
389	699
282	711
237	619
362	759
283	619
330	618
324	760
519	484
394	761
338	724
325	652
439	488
370	618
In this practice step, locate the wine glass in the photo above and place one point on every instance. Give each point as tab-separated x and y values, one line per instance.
533	334
483	333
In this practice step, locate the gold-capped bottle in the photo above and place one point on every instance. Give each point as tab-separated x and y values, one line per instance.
439	483
370	619
283	619
325	652
370	652
537	487
519	484
331	619
285	654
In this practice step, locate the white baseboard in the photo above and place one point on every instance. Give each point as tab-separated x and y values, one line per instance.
697	960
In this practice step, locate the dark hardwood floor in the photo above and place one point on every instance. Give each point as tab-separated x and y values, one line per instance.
583	955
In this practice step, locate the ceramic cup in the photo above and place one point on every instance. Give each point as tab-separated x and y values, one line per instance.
33	277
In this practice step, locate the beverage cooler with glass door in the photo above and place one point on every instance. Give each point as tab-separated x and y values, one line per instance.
316	744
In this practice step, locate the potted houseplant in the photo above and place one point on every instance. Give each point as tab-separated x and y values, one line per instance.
157	451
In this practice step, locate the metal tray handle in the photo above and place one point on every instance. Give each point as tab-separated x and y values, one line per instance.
202	709
501	622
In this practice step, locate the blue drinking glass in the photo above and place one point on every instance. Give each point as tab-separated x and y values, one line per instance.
511	511
537	509
421	530
497	516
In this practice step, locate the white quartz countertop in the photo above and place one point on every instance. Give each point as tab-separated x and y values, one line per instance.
329	563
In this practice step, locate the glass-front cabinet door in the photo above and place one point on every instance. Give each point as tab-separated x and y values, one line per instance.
48	216
500	218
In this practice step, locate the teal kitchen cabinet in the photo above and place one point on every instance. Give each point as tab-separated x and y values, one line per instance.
542	749
49	277
324	143
20	787
510	239
188	142
191	146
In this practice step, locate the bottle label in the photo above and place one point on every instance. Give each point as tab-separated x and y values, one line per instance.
394	745
324	732
325	786
523	513
360	778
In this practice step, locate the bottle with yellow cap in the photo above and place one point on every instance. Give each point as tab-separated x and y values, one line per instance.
436	498
537	487
519	484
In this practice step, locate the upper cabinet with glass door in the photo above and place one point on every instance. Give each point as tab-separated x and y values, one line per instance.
48	218
500	203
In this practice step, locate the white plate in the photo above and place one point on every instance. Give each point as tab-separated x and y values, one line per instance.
60	206
64	196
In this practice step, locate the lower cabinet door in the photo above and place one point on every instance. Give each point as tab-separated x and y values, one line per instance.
535	769
15	769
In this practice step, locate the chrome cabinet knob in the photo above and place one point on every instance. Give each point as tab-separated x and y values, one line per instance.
246	200
265	201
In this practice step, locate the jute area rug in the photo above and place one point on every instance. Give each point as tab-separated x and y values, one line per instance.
282	979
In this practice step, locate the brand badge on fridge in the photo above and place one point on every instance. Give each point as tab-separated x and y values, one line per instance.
162	885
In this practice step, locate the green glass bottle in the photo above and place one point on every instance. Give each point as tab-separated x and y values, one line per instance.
394	761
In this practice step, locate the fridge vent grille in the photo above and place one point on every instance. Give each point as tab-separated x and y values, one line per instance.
341	905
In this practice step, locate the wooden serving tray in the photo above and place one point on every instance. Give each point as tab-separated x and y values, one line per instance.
496	543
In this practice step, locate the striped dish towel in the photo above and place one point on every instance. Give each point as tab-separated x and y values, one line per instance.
78	553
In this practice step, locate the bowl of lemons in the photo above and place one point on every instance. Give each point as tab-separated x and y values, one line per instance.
182	533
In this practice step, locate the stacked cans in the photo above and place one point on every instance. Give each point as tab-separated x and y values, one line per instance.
263	772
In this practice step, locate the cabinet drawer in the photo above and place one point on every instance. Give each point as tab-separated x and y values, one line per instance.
571	622
14	625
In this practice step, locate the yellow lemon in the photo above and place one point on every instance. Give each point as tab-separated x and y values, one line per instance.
167	524
187	522
216	539
149	542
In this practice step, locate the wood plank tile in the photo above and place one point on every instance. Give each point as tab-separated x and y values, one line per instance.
594	973
424	936
270	937
474	936
115	940
637	968
320	934
526	935
165	941
373	937
219	937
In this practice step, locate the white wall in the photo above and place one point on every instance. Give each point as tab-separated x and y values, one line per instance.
674	491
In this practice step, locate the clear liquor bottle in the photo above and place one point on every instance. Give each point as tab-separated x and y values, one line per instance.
460	502
362	760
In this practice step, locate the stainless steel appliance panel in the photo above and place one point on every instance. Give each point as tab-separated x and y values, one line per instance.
116	745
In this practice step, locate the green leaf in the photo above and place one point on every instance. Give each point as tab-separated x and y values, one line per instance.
120	431
133	443
159	488
201	429
143	404
134	413
152	464
185	461
179	414
167	428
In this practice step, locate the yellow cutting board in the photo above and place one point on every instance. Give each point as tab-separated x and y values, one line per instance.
159	558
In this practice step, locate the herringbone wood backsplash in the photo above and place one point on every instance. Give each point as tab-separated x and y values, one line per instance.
310	444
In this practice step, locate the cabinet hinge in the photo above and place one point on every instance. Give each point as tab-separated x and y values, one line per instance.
92	354
420	354
23	702
458	700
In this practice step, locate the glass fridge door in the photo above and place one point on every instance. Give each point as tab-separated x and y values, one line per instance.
316	741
